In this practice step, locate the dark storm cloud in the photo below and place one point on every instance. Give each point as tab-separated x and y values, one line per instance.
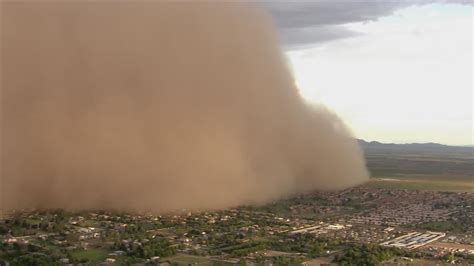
294	38
292	14
303	23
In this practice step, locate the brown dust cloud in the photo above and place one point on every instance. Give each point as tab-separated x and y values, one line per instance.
157	106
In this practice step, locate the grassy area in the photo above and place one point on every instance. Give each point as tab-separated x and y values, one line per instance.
452	226
93	255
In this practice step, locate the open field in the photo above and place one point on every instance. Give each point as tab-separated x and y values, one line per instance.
422	184
419	161
437	177
419	166
183	259
93	255
451	246
317	262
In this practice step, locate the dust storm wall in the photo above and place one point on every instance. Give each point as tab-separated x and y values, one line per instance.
153	106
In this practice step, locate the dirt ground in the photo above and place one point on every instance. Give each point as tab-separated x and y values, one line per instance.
450	246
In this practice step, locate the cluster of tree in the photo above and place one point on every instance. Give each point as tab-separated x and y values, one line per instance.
3	229
13	250
469	258
447	226
458	258
19	226
241	249
33	259
219	243
30	254
306	243
277	260
249	248
370	254
147	249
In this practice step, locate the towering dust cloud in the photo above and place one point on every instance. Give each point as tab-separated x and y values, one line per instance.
157	106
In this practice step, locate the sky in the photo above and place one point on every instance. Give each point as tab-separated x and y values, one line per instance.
395	72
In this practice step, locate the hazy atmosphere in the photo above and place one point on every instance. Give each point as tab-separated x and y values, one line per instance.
158	106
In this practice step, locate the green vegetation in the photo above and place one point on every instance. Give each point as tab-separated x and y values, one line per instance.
245	248
33	260
183	259
446	226
260	234
369	255
283	260
91	256
146	249
309	244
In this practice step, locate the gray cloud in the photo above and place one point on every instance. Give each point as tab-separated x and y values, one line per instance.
303	23
295	38
292	14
